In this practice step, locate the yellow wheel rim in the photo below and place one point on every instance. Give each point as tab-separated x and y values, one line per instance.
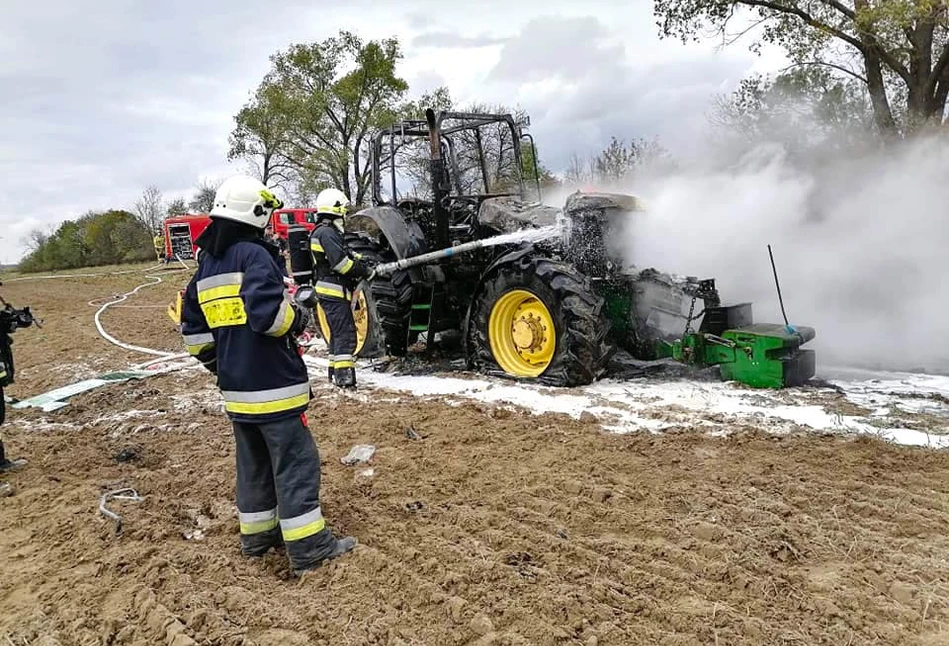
521	334
360	317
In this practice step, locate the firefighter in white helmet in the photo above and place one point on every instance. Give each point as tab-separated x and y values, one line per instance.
238	319
335	271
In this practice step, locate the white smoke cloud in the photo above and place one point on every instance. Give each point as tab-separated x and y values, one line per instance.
860	245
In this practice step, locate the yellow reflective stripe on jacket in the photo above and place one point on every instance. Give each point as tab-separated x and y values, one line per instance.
224	291
219	286
262	402
316	246
283	321
324	288
198	343
299	527
343	266
258	521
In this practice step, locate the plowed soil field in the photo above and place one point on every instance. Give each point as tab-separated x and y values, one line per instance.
477	524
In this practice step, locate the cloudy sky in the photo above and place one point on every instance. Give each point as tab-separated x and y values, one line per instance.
103	98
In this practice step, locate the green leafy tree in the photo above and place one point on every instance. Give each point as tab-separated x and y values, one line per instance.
329	96
106	238
262	137
897	49
809	111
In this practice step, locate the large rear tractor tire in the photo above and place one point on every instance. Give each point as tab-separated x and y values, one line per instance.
540	319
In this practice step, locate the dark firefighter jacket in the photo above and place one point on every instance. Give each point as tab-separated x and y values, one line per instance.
236	311
335	268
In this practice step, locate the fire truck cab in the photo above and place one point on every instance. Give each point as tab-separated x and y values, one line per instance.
280	221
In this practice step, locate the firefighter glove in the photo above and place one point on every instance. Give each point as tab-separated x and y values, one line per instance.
302	318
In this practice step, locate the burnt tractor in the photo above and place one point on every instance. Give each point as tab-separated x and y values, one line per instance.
535	291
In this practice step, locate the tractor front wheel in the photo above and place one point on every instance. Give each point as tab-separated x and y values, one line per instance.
539	318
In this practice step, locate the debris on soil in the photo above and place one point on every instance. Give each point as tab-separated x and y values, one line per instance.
119	494
357	454
128	454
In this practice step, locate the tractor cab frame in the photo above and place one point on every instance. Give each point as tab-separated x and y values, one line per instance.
460	174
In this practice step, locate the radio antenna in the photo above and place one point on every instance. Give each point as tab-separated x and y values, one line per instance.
778	286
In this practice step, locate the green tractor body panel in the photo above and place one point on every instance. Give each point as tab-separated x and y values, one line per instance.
763	355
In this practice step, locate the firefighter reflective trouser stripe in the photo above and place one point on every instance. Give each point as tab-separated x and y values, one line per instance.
329	289
198	343
342	344
262	402
278	490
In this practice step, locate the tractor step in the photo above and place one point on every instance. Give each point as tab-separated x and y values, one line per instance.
425	300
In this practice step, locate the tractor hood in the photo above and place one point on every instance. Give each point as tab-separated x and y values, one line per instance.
509	214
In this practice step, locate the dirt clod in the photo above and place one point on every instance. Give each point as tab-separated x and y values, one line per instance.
481	625
902	592
455	607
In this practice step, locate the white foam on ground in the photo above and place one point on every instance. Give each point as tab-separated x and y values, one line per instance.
653	405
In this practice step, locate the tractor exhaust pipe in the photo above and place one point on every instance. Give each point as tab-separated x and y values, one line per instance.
440	181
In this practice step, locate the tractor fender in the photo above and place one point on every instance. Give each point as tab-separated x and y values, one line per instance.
509	257
405	238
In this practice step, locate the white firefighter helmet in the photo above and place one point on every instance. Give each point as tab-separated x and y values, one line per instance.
332	202
242	198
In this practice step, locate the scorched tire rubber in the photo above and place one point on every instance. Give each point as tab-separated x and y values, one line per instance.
389	301
580	349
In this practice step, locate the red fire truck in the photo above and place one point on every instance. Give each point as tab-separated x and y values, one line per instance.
180	233
182	230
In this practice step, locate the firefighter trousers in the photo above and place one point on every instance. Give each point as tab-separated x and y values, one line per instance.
342	344
278	491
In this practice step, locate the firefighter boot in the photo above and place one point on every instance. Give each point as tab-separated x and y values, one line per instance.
9	465
337	548
259	544
329	374
345	377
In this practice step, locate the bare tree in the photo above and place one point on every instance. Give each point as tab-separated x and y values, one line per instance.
36	238
149	209
578	171
177	206
203	200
